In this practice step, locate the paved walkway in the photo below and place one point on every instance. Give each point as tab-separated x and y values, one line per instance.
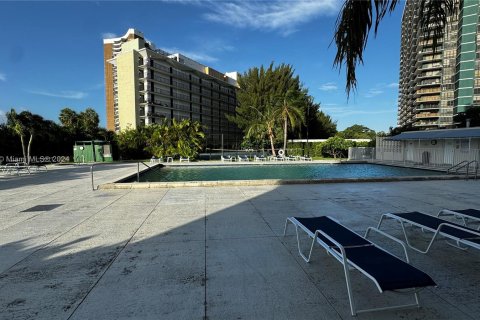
207	253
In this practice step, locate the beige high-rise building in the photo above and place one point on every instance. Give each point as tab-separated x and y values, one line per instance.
145	85
437	84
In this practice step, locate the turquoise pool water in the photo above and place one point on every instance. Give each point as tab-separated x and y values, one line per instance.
259	172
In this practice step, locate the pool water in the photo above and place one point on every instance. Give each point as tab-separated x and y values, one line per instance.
288	172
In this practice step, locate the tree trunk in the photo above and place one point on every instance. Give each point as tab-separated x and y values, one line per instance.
23	148
270	135
285	125
28	148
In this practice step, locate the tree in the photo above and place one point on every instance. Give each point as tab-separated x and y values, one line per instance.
133	142
336	146
318	124
88	121
357	131
184	138
261	89
14	123
356	19
290	110
264	125
69	120
25	124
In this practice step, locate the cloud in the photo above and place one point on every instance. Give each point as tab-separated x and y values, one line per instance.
329	86
275	15
197	56
67	94
379	89
3	117
342	111
109	35
3	77
373	93
213	45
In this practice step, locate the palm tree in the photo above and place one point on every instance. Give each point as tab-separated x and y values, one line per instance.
264	124
190	137
289	110
355	21
184	138
88	122
69	119
16	125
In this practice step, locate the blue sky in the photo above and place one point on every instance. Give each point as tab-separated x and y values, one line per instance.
51	55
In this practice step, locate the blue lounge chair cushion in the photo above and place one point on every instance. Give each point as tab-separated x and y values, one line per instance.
342	235
390	272
469	212
434	222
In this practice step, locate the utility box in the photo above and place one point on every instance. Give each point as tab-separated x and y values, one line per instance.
92	151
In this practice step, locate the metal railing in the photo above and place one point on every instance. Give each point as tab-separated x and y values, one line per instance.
458	166
465	164
101	163
476	169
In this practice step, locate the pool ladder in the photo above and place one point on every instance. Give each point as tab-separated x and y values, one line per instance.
465	164
138	172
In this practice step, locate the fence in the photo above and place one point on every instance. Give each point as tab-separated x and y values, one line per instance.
361	153
436	157
215	154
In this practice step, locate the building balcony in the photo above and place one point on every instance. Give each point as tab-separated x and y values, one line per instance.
429	74
428	83
427	91
426	115
427	107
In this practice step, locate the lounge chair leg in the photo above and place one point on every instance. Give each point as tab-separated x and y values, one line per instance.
381	221
349	285
307	259
415	248
286	226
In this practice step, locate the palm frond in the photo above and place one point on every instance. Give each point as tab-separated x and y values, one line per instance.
351	33
433	18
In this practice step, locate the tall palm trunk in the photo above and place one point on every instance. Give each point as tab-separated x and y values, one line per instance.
270	136
28	148
285	126
23	148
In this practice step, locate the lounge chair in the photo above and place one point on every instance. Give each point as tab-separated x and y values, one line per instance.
261	158
464	214
305	158
187	159
243	158
227	158
17	167
460	234
353	251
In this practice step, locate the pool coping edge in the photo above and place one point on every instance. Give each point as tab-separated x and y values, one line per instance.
264	182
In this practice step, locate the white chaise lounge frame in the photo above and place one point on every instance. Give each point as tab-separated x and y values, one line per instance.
349	265
436	233
461	215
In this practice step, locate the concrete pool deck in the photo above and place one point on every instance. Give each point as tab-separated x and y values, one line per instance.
209	253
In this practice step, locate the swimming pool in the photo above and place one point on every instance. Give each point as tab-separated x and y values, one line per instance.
286	172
